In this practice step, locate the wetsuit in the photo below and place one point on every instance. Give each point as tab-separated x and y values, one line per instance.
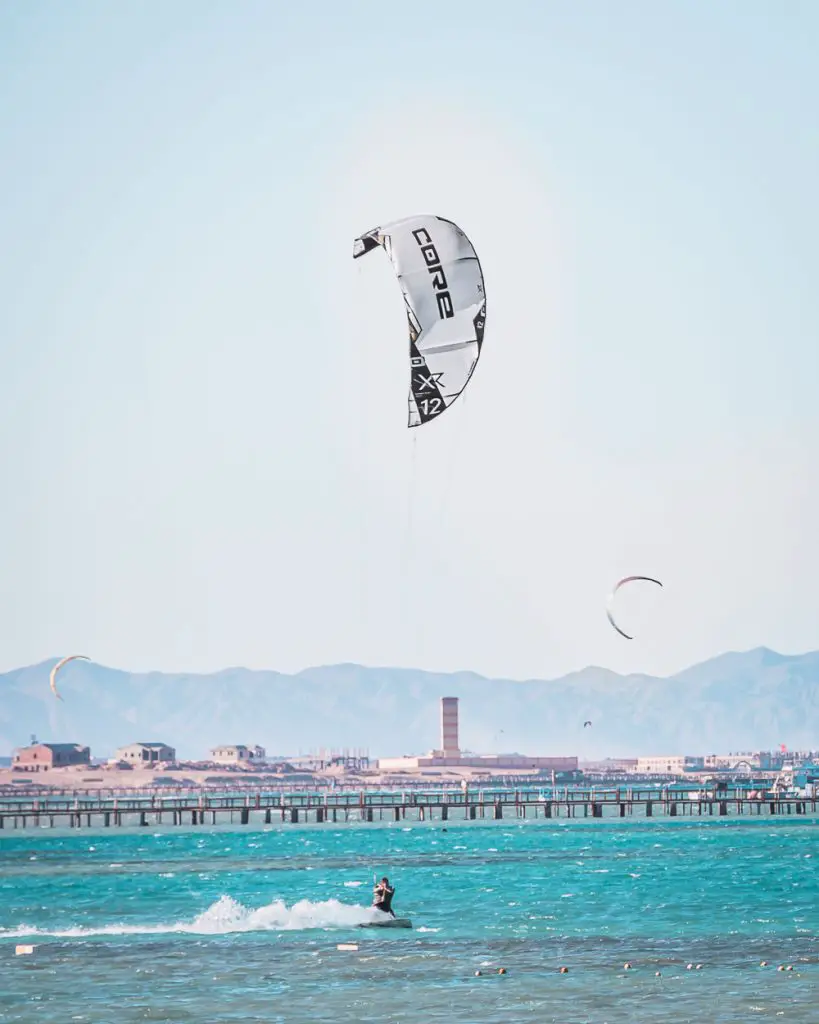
383	899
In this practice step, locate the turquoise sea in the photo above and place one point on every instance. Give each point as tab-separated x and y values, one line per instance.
242	923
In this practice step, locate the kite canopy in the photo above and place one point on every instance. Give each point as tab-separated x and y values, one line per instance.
620	583
57	668
442	283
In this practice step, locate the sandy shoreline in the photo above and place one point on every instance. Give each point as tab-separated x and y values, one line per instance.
89	778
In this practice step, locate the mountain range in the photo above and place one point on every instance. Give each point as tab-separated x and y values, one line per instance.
752	700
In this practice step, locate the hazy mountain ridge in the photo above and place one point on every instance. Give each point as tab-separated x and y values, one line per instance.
736	701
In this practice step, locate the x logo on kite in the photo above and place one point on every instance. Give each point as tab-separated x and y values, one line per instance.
429	382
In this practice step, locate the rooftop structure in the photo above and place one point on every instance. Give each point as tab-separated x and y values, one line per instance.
450	754
146	753
42	756
237	753
449	727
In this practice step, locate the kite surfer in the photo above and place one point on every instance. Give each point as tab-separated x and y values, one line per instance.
382	896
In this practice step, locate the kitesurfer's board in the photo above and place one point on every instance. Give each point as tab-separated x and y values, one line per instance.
392	922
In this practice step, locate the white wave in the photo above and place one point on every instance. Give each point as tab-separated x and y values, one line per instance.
226	915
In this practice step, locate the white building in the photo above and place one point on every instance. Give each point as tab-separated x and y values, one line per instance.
742	759
502	762
238	753
668	764
145	753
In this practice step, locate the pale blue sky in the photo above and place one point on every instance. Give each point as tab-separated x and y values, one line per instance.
205	459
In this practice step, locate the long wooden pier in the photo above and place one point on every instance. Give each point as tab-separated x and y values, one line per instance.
268	807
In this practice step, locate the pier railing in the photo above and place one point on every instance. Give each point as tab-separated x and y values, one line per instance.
267	805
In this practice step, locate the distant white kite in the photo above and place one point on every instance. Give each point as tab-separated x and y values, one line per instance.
58	666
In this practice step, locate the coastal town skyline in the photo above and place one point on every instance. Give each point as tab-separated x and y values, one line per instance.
448	756
162	756
753	700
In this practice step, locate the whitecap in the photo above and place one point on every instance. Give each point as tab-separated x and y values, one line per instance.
224	916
